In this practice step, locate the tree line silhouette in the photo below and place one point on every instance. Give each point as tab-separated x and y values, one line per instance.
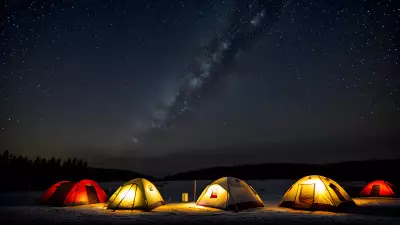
19	173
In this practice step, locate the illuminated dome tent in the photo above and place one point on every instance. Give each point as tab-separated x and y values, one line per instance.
229	193
66	193
138	193
379	188
316	193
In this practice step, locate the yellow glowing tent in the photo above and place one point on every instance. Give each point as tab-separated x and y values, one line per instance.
229	193
138	193
316	193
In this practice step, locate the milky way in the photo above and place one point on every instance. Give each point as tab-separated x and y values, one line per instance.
215	62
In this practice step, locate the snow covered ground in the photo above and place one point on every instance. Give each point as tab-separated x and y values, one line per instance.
19	208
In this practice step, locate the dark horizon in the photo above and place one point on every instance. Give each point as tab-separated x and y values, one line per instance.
305	151
39	172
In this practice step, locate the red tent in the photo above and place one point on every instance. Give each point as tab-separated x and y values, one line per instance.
50	191
66	193
378	188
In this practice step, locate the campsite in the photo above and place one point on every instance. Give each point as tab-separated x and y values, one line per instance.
375	211
187	198
199	112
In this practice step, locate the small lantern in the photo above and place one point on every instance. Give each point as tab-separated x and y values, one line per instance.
185	197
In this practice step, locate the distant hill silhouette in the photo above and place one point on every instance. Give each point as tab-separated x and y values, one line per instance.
311	151
344	171
18	173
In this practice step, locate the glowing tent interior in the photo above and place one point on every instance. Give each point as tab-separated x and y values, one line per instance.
379	188
138	193
229	193
66	193
316	192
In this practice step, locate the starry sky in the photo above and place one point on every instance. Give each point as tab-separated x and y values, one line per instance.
189	84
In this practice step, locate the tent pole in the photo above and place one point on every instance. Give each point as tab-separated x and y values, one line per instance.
134	198
76	191
297	192
123	197
120	188
387	187
194	191
227	198
203	193
144	193
229	190
329	191
313	196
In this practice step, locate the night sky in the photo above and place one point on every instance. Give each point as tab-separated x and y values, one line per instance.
191	84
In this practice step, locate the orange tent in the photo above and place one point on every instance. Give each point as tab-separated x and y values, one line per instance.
66	193
378	188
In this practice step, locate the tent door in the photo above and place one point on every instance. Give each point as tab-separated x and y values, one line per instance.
92	194
305	196
375	190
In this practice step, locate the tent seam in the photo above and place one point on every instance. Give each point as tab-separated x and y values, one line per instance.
116	195
144	192
124	196
134	199
328	191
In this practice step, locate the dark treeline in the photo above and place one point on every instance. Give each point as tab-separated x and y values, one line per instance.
343	171
19	173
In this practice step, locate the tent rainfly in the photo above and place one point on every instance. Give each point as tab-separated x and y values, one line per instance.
229	193
316	192
66	193
379	188
138	193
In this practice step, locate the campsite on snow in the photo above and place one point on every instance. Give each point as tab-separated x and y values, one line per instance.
376	210
228	200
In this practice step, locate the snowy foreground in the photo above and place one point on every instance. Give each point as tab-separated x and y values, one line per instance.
19	208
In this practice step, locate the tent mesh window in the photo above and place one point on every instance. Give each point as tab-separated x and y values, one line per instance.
337	192
214	193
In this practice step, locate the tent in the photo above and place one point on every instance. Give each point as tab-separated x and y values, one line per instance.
229	193
379	188
45	198
138	193
66	193
316	193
